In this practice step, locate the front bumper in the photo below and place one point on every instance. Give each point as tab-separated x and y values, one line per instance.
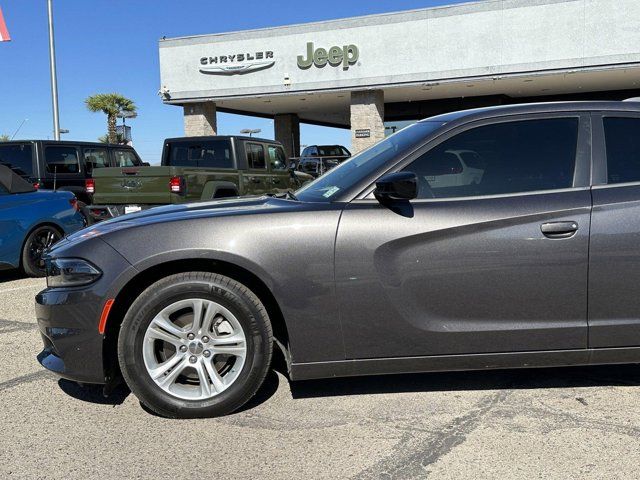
68	324
68	318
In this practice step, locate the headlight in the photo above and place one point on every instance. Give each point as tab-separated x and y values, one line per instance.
70	272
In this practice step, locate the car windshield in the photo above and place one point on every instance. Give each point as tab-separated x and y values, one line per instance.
358	167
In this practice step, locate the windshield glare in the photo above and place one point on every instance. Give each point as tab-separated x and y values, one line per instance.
358	167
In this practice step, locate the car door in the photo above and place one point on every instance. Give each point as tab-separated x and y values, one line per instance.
258	178
63	168
497	266
614	260
280	178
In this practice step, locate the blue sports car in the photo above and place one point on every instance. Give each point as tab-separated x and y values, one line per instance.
31	221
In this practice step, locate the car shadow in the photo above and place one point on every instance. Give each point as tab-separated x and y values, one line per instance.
94	393
521	379
11	275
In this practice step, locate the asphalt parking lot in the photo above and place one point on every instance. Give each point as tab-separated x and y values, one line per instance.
552	423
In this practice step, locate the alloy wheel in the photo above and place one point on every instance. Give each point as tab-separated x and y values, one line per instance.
194	349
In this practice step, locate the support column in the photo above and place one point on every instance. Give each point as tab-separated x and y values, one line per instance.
287	131
200	119
367	118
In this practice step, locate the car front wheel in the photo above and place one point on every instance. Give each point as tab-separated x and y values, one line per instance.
195	344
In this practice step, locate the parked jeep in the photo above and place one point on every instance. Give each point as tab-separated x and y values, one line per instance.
64	165
195	169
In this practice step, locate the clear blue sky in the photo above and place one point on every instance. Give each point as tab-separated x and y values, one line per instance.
112	46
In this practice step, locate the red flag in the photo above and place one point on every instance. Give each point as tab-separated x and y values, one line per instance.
4	33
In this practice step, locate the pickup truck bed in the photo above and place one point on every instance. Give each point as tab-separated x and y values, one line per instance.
195	169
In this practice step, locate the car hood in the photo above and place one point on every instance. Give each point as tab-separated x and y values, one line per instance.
181	212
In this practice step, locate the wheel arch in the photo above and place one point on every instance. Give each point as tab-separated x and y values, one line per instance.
146	277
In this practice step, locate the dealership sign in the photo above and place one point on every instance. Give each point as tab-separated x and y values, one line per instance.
346	56
237	64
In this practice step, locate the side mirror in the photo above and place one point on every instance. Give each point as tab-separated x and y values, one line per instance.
396	186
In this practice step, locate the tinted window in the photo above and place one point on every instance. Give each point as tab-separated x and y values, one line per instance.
330	151
210	154
472	159
95	158
367	162
277	158
255	156
126	158
3	191
623	149
516	157
18	158
61	160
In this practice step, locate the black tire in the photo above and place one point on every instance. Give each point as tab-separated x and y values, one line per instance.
84	211
234	296
37	242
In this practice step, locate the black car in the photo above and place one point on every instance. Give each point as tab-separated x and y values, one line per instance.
316	160
64	165
382	265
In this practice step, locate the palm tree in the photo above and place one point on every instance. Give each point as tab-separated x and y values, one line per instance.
112	105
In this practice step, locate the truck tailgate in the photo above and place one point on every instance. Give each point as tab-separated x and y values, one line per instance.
132	185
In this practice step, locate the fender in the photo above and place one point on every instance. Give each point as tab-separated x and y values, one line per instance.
190	254
213	187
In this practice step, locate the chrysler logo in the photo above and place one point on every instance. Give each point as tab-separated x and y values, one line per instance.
237	64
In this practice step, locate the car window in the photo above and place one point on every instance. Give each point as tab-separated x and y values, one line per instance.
95	158
18	157
364	164
472	159
622	136
277	158
255	156
345	152
329	151
522	156
62	160
126	158
3	191
212	154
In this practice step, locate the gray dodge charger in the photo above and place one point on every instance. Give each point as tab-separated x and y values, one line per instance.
502	237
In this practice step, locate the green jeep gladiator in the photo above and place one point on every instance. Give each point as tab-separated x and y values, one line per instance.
195	169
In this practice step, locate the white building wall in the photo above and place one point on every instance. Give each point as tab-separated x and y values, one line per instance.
492	37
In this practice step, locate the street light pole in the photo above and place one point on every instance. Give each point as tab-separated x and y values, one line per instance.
54	79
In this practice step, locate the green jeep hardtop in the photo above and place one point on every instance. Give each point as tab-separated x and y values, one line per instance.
195	169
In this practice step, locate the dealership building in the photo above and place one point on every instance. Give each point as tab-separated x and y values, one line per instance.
366	73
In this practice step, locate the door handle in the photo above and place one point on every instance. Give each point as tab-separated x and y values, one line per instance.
254	179
275	180
559	229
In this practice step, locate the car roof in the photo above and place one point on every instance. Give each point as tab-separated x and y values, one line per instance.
529	108
224	137
67	142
